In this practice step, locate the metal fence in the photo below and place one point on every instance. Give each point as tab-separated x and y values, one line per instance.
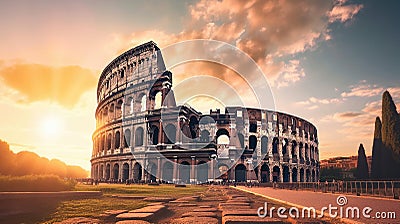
374	188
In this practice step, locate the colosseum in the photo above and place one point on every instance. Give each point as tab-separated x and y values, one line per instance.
143	136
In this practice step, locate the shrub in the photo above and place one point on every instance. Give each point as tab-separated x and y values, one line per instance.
35	183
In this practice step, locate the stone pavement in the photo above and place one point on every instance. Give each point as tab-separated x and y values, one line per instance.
319	200
219	205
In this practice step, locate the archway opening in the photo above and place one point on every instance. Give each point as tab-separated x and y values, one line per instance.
167	172
240	173
184	172
125	172
264	173
170	134
252	142
294	174
116	171
202	172
286	174
276	171
137	172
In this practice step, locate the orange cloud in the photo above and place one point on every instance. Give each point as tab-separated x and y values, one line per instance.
266	30
36	82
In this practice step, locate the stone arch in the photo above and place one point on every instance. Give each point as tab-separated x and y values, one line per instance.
170	134
108	171
105	115
265	173
193	125
276	172
127	138
109	140
111	111
130	105
286	174
152	171
264	145
308	175
119	107
202	172
253	126
139	136
125	171
116	171
101	172
167	172
285	143
143	102
252	142
294	174
184	172
137	172
313	176
275	148
240	173
157	100
301	153
117	140
155	133
302	175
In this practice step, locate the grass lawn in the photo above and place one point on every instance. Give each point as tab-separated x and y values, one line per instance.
94	207
145	190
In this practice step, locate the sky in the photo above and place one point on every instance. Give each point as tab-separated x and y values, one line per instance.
326	61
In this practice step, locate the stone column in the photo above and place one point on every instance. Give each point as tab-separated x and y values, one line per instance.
298	174
280	150
280	173
158	177
193	170
290	175
160	133
212	169
271	176
175	172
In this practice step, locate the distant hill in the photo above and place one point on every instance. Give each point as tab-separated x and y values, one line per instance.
29	163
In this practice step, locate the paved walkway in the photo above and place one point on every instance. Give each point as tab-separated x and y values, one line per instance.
319	200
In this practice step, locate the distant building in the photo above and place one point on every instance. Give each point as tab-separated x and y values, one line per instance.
346	164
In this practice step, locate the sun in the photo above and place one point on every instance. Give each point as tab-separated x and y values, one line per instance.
51	126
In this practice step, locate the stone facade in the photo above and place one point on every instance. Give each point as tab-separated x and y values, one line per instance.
142	135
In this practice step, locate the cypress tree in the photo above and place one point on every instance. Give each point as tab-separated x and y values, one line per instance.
362	165
390	124
377	152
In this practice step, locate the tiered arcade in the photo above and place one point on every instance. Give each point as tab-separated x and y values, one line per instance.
143	136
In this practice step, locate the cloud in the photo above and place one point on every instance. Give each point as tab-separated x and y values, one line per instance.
313	102
348	115
363	89
36	82
268	31
342	12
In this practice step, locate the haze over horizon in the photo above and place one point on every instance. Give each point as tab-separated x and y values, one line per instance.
327	61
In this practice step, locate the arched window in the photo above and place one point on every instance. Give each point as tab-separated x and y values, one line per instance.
156	133
253	127
193	124
264	145
222	136
122	74
275	143
109	142
117	140
143	102
127	138
139	136
158	100
170	134
252	142
119	108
